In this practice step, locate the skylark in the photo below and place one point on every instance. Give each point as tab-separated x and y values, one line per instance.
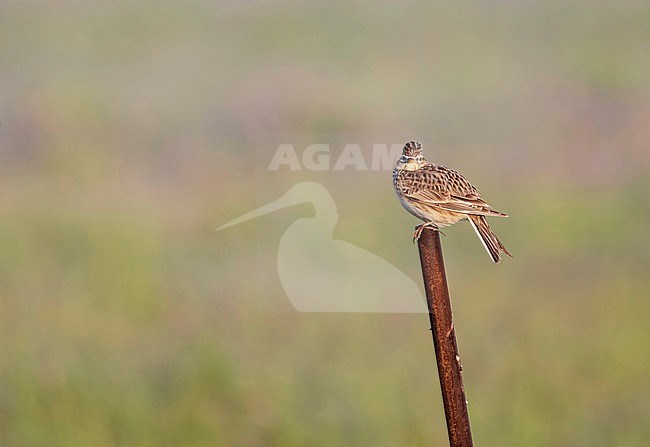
440	196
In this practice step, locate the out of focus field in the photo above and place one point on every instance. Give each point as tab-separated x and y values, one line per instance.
130	130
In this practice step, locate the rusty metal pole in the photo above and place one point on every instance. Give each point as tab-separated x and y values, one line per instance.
444	339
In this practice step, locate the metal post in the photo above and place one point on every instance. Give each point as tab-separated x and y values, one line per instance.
444	339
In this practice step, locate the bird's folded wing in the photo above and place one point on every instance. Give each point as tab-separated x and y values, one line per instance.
460	197
471	203
470	208
426	195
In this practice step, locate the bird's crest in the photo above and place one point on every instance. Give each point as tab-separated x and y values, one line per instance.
412	149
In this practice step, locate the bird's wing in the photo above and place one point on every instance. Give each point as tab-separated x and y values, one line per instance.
446	188
471	208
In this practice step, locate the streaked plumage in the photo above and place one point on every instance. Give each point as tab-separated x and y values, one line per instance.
440	196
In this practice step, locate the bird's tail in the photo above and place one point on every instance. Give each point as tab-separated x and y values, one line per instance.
490	241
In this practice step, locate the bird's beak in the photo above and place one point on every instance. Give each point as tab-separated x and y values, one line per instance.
286	200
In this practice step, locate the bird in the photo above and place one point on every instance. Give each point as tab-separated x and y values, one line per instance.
322	274
440	196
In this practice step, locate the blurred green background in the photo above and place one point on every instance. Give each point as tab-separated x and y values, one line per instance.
129	130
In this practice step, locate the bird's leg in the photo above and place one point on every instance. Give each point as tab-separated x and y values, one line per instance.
420	228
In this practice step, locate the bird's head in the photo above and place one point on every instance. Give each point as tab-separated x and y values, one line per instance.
412	158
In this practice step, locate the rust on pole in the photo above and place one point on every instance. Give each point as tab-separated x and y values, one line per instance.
444	339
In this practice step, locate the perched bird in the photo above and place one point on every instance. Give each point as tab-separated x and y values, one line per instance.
440	196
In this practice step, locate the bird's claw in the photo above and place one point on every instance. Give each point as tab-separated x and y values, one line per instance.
451	329
420	228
